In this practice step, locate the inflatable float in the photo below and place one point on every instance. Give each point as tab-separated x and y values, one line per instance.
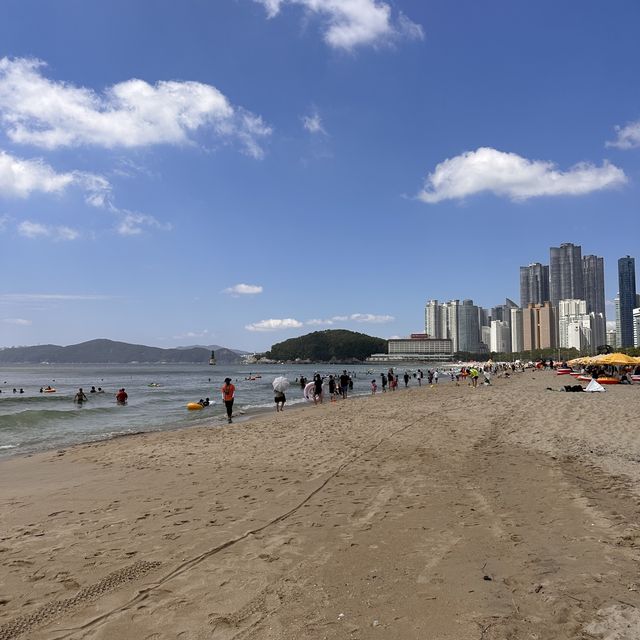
49	391
194	406
563	372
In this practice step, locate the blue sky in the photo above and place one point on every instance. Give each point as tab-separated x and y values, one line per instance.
242	171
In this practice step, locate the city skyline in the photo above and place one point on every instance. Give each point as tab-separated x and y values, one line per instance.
246	171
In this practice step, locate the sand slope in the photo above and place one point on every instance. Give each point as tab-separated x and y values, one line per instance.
447	512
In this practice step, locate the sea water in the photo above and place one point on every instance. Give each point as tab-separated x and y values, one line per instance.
35	421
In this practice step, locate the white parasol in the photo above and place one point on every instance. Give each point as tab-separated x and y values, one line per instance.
280	384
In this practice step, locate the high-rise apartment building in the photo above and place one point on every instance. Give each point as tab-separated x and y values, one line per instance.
593	281
611	338
539	326
578	329
565	273
636	327
432	326
456	321
627	296
500	337
517	337
534	284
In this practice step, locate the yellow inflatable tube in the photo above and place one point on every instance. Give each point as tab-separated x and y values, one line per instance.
194	406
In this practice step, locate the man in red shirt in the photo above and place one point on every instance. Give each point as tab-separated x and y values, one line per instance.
228	393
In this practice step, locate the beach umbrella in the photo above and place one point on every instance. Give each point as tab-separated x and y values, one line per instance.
615	359
581	360
280	384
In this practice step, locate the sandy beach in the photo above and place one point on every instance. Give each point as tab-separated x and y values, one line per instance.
435	513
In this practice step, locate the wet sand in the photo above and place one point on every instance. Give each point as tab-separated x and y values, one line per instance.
442	513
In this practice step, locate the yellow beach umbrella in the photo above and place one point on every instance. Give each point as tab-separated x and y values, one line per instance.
582	360
616	359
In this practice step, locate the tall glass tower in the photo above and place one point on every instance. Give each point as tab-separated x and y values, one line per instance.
565	273
627	295
593	278
534	284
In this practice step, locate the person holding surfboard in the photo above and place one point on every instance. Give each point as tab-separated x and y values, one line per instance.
228	395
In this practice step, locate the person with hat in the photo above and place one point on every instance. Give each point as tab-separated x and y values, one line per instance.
228	394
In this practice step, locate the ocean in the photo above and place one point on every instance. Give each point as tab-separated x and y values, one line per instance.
34	421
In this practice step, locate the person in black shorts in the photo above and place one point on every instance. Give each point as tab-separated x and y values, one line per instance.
279	398
344	384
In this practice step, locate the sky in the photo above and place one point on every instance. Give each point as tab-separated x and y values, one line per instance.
239	172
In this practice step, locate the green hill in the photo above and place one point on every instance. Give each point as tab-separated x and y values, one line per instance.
332	345
108	351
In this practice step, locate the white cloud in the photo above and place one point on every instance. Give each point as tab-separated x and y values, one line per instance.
20	178
41	112
18	321
33	230
352	23
627	137
511	175
354	317
133	223
313	123
370	317
274	324
243	290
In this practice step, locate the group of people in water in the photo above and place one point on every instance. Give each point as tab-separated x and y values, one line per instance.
81	397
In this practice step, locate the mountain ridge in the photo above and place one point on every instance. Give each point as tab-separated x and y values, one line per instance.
104	351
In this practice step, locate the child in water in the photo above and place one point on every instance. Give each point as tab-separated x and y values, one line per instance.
374	387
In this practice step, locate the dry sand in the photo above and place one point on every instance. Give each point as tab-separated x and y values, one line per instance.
435	513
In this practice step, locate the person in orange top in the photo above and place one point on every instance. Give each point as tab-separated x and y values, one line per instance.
228	394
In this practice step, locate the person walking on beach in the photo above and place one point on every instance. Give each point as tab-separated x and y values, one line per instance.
80	397
344	384
279	398
436	375
383	380
228	395
332	388
420	376
121	396
391	379
406	379
317	389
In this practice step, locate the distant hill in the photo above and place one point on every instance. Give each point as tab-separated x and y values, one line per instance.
332	345
110	352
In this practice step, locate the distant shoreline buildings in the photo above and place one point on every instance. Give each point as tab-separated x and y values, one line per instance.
562	305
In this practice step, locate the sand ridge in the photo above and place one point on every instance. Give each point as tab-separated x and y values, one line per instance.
446	512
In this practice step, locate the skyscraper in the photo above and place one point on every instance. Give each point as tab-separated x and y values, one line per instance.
593	279
627	295
534	284
565	273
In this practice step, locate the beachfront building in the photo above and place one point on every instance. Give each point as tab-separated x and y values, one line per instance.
534	284
565	273
627	300
636	327
573	322
611	338
593	280
500	337
419	346
432	319
539	327
485	335
517	337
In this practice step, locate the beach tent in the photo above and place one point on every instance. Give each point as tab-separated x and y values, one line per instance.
594	385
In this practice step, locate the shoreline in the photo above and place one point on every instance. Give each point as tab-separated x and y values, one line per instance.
426	514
